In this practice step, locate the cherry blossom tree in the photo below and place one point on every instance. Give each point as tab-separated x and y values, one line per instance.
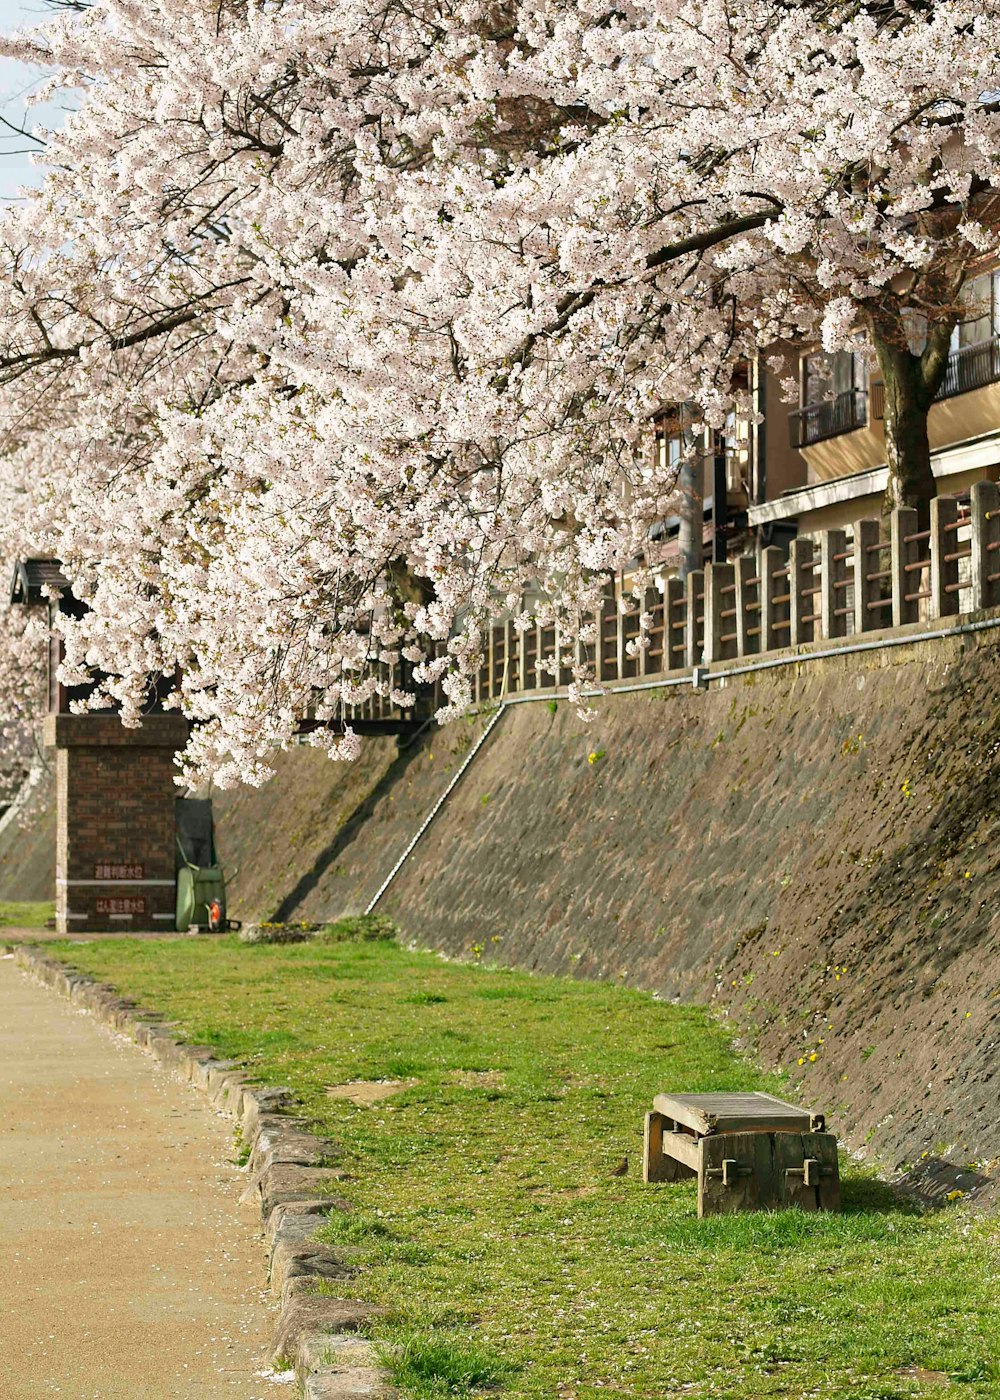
337	327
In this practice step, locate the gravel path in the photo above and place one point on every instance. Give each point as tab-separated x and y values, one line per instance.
129	1270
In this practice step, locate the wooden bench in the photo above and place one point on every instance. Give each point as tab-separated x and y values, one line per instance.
748	1151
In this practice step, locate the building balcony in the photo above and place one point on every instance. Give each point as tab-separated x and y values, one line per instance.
971	367
828	418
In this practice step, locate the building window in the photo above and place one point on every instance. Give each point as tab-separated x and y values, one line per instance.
834	397
975	342
981	300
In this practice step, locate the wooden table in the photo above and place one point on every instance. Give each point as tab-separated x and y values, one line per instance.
748	1151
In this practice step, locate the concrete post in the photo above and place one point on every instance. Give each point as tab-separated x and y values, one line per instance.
867	560
802	604
904	553
490	657
115	821
771	559
604	666
747	594
720	580
508	679
674	625
832	543
985	559
695	630
619	637
944	572
647	604
522	662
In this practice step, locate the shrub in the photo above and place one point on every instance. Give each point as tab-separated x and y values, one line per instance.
361	928
277	933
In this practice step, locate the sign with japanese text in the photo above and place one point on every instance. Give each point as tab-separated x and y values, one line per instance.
108	870
125	904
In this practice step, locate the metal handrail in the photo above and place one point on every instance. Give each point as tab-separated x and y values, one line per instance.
970	367
828	418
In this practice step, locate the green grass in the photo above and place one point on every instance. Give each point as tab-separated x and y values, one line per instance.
25	915
510	1259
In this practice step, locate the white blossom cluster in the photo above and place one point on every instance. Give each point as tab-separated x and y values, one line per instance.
336	326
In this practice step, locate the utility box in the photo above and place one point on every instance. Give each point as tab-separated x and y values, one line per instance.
201	885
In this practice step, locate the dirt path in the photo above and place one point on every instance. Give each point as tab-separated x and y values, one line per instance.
128	1268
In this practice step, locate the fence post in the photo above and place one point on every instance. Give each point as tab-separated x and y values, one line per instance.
801	601
507	678
719	591
619	636
521	660
944	573
599	644
694	632
491	663
647	604
985	559
770	560
902	523
747	595
832	572
674	613
866	591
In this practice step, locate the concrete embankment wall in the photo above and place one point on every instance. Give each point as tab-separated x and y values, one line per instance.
28	845
815	849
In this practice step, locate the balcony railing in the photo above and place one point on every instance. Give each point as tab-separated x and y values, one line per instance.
971	367
828	418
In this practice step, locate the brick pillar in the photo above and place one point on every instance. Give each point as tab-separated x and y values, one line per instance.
115	839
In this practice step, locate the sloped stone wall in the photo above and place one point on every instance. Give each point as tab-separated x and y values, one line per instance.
818	853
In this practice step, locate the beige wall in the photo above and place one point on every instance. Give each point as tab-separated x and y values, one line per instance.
957	419
786	468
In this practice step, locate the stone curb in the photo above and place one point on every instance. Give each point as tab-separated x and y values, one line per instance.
291	1173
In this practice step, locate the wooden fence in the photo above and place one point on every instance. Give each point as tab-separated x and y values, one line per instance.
889	574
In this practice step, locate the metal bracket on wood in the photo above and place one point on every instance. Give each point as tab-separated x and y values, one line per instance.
729	1171
810	1171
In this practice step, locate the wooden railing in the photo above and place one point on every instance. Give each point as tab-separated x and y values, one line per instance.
888	574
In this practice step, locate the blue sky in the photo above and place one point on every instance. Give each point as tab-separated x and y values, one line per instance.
16	82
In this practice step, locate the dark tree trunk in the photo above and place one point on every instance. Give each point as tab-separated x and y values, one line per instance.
911	381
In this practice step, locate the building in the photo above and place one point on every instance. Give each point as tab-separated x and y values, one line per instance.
820	463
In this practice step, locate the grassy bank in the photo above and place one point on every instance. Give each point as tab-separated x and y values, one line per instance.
509	1255
14	914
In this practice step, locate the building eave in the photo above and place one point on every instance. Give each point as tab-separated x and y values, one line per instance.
963	457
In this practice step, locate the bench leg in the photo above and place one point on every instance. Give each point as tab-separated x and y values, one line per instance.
656	1165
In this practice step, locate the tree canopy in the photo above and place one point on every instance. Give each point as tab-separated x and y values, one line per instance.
336	326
